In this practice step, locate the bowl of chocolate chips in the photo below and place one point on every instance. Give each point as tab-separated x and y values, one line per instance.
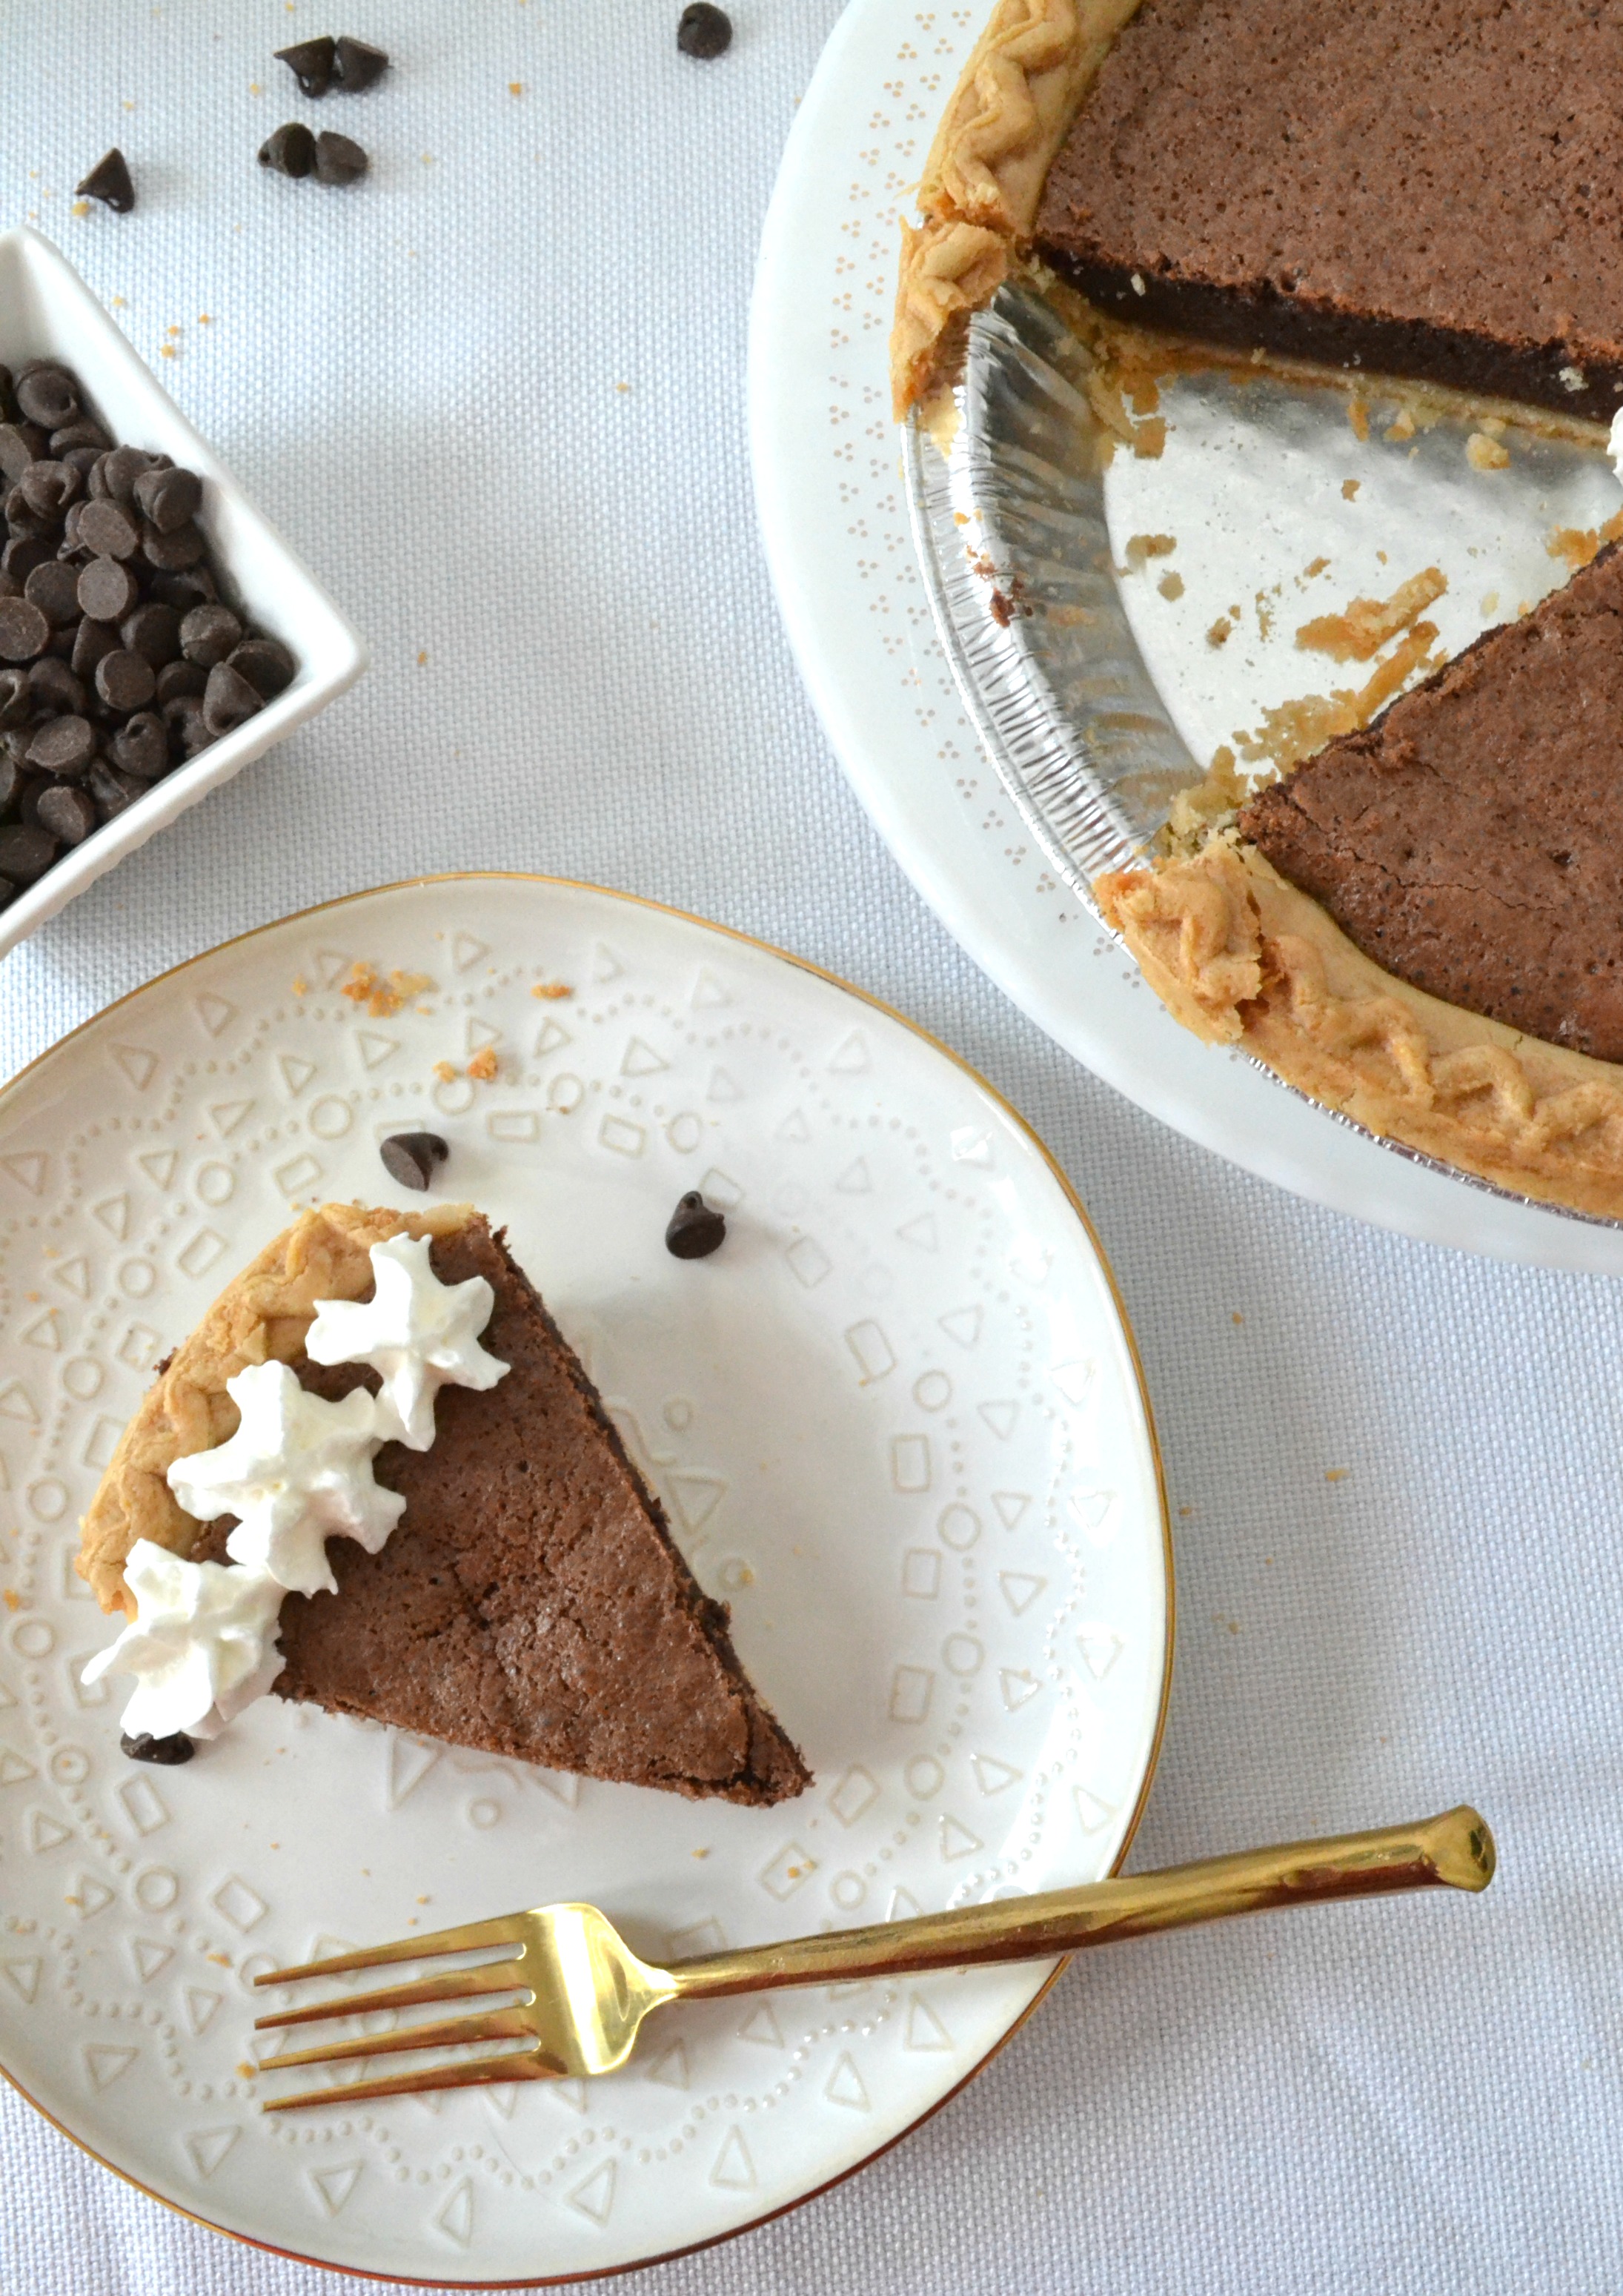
156	633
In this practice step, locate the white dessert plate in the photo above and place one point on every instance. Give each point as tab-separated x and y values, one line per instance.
834	514
46	311
898	1424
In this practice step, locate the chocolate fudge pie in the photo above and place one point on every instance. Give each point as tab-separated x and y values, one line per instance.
508	1582
1423	924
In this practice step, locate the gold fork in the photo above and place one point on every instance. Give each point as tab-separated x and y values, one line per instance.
585	1993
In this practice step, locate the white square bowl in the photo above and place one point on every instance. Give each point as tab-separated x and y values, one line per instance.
46	311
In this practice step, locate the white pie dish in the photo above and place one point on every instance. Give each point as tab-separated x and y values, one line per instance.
46	311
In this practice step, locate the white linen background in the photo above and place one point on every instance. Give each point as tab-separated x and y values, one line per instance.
417	379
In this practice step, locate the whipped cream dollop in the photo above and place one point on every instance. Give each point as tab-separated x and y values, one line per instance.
1614	445
298	1470
420	1333
202	1643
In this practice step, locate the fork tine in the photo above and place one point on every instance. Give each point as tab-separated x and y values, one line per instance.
505	1929
450	1985
493	2025
523	2064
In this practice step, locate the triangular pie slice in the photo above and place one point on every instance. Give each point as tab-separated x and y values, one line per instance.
530	1603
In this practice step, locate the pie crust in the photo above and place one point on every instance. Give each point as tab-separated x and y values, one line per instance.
262	1317
1241	957
1008	116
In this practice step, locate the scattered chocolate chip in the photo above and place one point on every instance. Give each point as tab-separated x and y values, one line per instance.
339	159
25	854
169	498
167	1750
153	632
55	589
48	488
108	182
113	792
172	552
92	642
24	630
209	635
229	700
63	746
106	589
703	31
124	681
291	151
267	666
21	444
694	1230
177	679
108	528
141	747
47	394
311	64
66	813
358	65
410	1157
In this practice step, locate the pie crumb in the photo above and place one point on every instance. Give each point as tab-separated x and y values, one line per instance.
1220	632
552	989
1171	585
1349	488
1357	414
1486	454
1337	1474
483	1066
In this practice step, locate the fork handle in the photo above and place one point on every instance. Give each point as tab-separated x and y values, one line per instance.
1454	1851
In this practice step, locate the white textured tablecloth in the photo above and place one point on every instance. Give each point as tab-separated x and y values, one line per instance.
421	381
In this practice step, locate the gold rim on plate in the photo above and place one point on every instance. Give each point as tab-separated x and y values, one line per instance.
877	1004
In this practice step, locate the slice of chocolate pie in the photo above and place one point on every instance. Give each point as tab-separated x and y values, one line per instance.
528	1601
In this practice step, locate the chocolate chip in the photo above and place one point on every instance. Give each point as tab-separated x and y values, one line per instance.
57	691
26	854
23	518
194	585
209	634
108	182
55	589
117	473
694	1230
63	746
114	792
177	1748
291	151
124	681
13	780
267	664
16	699
153	632
75	438
141	747
48	395
177	679
229	700
21	444
24	630
339	160
48	488
311	64
67	813
703	31
169	498
173	553
358	65
82	459
189	730
22	553
106	589
92	642
410	1157
107	527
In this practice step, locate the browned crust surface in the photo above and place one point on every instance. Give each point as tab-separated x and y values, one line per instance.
1008	115
1243	958
261	1316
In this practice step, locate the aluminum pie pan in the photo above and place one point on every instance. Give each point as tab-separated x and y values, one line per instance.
1096	708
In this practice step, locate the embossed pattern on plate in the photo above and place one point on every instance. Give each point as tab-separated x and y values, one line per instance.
897	1424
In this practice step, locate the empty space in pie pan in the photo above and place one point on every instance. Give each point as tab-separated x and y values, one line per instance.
1114	620
897	1425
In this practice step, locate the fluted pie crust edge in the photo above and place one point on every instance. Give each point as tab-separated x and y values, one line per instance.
1241	957
263	1315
